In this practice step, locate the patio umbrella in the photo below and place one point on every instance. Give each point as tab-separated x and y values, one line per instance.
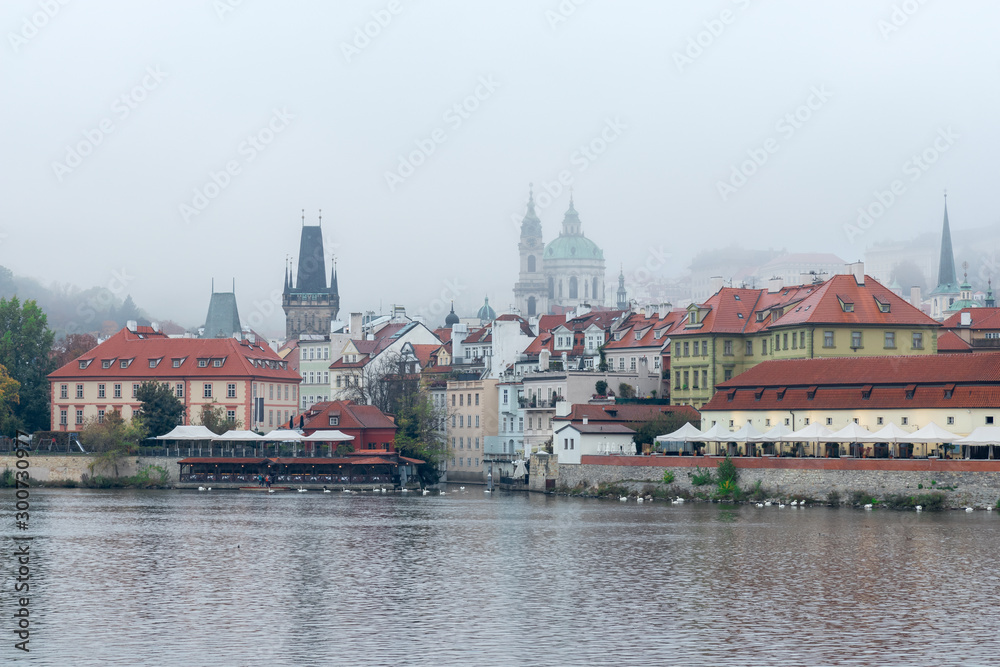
241	436
328	436
813	434
853	433
715	434
984	436
933	433
746	433
519	469
188	433
774	435
283	435
687	433
892	433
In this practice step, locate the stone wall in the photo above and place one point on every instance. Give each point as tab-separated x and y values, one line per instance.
53	468
975	483
543	467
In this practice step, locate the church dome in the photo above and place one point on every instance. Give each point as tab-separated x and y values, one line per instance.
486	314
573	247
452	318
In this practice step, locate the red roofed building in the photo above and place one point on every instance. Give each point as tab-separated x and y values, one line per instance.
977	328
373	431
848	315
222	372
957	392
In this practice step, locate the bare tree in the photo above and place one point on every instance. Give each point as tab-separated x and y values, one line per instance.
388	382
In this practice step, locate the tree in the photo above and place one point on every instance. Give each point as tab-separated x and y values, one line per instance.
646	432
417	437
602	365
384	382
625	390
213	417
112	439
127	311
161	409
10	396
71	346
25	350
601	387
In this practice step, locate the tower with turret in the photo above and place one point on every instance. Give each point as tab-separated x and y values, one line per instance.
529	290
309	302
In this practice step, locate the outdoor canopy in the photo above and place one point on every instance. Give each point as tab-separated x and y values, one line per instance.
283	435
892	433
981	437
714	434
747	433
328	436
774	435
188	433
687	433
933	433
853	433
812	433
242	436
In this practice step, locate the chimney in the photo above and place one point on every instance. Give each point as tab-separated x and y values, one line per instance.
533	323
915	299
857	269
132	325
585	420
663	310
714	285
966	319
543	360
356	320
774	285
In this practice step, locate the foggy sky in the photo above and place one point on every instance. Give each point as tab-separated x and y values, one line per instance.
542	78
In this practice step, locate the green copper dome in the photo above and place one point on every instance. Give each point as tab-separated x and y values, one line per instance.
573	247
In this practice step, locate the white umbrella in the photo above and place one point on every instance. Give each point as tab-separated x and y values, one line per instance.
188	433
283	435
814	434
853	433
687	433
715	434
746	433
984	436
241	436
933	433
328	436
892	433
774	435
519	469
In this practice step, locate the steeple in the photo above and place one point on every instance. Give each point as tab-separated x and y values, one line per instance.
333	278
622	294
947	279
990	302
452	318
571	221
531	225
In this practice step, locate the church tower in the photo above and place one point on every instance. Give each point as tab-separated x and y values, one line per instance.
530	291
622	303
947	290
310	304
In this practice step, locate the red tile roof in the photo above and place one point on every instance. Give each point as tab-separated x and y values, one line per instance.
598	428
825	305
847	398
424	352
351	415
140	348
949	341
981	318
627	412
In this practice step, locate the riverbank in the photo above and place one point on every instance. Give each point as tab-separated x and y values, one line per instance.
902	482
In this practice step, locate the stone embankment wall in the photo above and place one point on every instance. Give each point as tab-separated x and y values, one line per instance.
53	468
975	483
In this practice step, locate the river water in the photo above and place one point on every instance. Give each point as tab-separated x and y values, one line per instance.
230	578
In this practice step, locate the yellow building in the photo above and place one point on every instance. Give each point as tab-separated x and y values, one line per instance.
472	415
846	316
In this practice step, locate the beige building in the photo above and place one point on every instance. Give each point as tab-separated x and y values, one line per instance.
472	416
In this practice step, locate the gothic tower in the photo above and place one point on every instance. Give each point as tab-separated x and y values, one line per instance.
310	304
947	290
530	291
622	295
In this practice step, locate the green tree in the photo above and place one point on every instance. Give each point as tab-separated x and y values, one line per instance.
112	440
71	346
161	409
602	365
25	350
601	387
213	417
646	432
10	396
416	436
625	390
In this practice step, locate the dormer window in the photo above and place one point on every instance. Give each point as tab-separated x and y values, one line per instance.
106	363
846	306
124	363
176	363
84	363
760	315
736	296
203	363
153	363
883	306
217	363
334	420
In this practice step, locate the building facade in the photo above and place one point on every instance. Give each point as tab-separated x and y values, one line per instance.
310	304
472	416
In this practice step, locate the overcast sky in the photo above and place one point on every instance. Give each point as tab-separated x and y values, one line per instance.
116	115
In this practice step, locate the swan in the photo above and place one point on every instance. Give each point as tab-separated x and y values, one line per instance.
794	503
441	493
623	498
326	490
270	490
868	506
404	490
639	499
201	488
968	509
679	500
760	504
919	508
781	504
375	490
209	489
301	490
461	488
989	508
425	492
487	491
767	503
347	490
383	489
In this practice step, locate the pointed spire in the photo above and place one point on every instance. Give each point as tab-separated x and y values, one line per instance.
303	217
333	277
947	279
321	217
530	224
571	208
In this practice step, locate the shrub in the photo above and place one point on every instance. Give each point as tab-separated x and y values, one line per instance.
927	501
7	479
833	498
861	498
727	471
668	477
702	477
756	492
608	489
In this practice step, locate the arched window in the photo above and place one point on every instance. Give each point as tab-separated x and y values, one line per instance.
573	290
531	306
552	288
531	263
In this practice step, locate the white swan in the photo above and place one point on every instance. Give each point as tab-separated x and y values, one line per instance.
347	490
442	493
781	504
968	509
487	491
404	490
201	488
623	498
767	503
989	508
270	490
461	488
680	500
760	504
639	499
868	506
301	490
383	489
326	490
794	503
425	492
919	508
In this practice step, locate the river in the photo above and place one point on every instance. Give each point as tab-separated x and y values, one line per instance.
230	578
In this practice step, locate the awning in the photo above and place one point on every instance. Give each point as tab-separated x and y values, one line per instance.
328	436
283	435
241	436
812	433
853	433
188	433
933	433
686	433
981	437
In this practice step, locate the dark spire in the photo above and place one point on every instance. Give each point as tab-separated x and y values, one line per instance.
452	319
333	277
946	267
990	301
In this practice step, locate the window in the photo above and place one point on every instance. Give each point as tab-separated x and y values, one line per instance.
694	384
477	423
337	381
124	363
84	364
461	443
890	339
989	419
100	416
856	340
918	340
827	339
461	421
477	443
477	462
334	420
176	363
135	390
904	421
767	422
951	421
270	417
505	395
79	417
79	391
270	391
153	363
118	391
807	421
795	341
202	363
207	390
677	379
231	416
632	363
784	345
727	348
477	400
686	354
100	391
326	377
62	417
286	390
621	363
454	420
763	346
829	421
179	390
217	363
749	348
787	421
106	363
231	390
461	399
64	391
